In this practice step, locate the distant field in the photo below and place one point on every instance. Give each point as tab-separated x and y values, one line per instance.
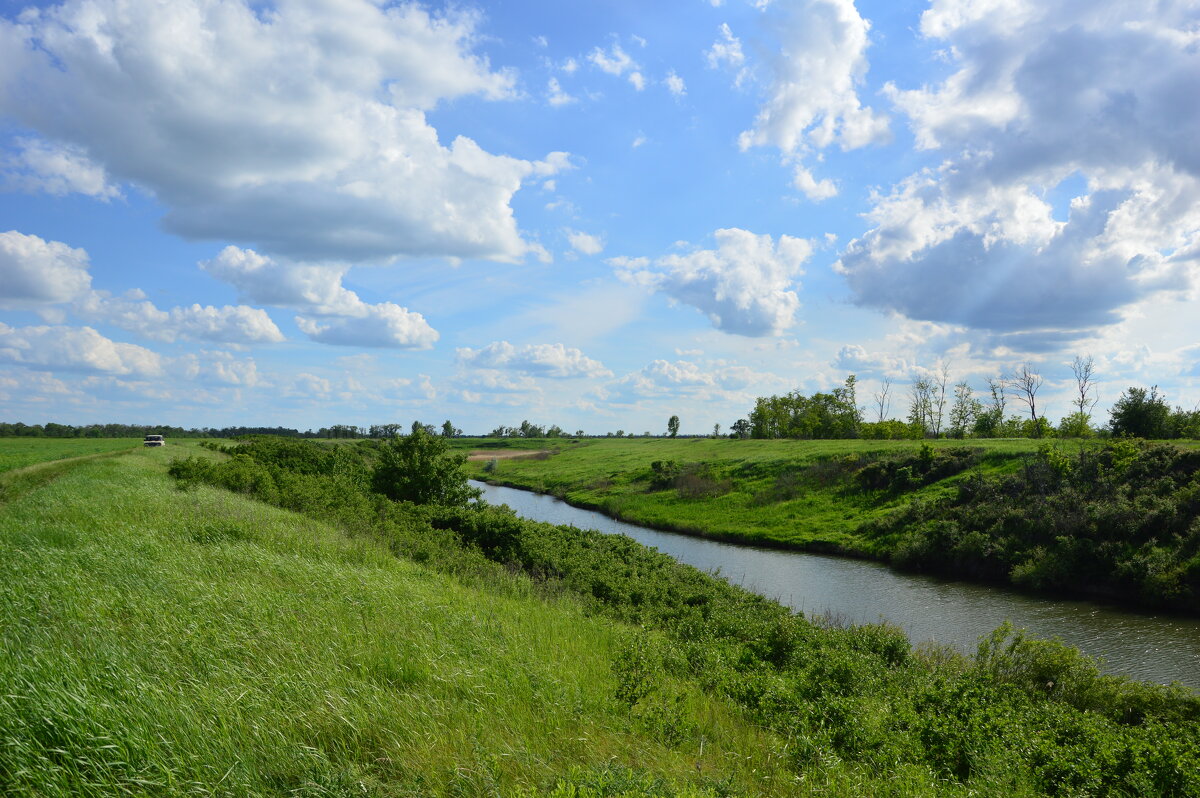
760	491
21	452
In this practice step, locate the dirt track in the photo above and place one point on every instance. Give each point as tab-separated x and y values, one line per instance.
506	454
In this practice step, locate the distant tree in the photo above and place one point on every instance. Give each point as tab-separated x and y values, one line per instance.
937	397
421	469
964	412
920	404
717	430
740	429
555	431
1139	413
991	418
1076	425
579	433
1026	382
882	399
672	426
448	430
529	430
1085	385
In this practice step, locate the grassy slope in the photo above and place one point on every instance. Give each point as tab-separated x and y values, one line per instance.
611	475
167	642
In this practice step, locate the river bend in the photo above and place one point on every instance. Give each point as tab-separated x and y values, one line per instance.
1151	647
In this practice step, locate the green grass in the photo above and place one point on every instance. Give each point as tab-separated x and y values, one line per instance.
21	452
156	641
766	492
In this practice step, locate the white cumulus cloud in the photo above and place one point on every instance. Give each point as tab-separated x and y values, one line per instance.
35	272
383	325
616	61
585	242
75	349
231	324
300	129
543	360
745	286
1070	185
813	98
56	169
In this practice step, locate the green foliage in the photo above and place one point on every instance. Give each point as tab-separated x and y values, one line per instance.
794	415
420	468
1121	520
672	426
1024	717
1139	413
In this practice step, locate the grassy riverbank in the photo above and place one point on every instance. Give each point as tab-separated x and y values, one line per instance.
276	627
1119	520
785	492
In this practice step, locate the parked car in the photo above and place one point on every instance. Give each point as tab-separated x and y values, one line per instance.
153	440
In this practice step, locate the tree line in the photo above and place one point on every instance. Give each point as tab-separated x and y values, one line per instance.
938	408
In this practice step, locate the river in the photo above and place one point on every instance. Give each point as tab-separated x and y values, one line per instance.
1151	647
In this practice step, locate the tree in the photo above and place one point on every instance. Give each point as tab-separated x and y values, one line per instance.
965	411
420	468
1085	385
1139	413
717	430
882	400
937	397
740	429
448	430
1026	382
672	426
920	407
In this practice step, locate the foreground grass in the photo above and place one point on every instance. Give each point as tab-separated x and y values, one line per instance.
755	491
154	641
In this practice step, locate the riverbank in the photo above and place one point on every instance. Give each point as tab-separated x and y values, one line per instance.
1115	521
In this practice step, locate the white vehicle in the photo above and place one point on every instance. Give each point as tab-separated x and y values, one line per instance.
153	440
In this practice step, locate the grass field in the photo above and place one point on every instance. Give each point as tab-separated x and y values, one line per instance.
759	491
22	452
154	641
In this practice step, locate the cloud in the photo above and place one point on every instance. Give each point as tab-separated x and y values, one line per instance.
300	129
744	286
555	94
542	360
617	62
221	368
813	99
229	324
75	349
383	325
664	378
585	243
316	288
55	169
675	84
1077	111
726	52
35	272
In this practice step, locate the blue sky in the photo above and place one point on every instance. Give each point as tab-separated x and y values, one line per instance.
591	214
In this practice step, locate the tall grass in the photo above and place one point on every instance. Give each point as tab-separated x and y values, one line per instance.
154	641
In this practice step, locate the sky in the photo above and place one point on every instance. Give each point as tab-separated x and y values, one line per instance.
592	214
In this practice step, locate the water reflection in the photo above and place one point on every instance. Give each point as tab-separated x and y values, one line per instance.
1145	646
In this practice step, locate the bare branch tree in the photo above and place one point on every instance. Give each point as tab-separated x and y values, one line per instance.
920	407
938	396
1026	382
882	400
1085	384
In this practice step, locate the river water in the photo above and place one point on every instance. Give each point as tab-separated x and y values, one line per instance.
1161	648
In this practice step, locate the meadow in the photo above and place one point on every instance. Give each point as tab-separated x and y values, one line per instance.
257	620
21	452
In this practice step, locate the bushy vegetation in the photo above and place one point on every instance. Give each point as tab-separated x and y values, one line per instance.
1121	519
1023	717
